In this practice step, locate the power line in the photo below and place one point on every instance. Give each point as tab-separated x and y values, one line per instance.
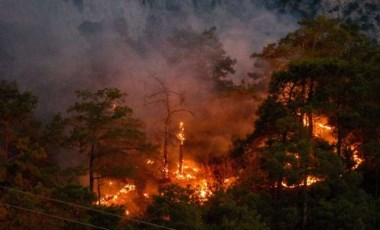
84	207
52	216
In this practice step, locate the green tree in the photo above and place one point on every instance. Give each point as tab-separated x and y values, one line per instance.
176	207
223	212
15	107
317	38
317	72
101	126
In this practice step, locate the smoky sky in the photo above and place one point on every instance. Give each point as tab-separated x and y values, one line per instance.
54	47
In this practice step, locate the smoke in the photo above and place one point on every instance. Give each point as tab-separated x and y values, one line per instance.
54	47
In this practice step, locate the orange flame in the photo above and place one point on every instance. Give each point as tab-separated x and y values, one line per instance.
181	134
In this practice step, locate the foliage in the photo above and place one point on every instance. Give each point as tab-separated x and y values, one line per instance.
102	126
317	72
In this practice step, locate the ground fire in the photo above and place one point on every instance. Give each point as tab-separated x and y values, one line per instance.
188	174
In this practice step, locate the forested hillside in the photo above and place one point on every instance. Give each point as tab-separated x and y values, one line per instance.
295	145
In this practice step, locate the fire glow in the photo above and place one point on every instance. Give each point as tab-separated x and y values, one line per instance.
188	174
309	181
324	131
114	198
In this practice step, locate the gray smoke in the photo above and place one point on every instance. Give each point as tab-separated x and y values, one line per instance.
54	47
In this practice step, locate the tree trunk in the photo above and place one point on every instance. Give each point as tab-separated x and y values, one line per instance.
310	113
311	126
166	160
6	139
91	168
304	205
99	194
180	161
339	141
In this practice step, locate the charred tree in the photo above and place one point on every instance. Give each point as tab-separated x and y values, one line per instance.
168	98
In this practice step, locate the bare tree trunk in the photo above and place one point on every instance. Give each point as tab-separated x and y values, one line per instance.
311	126
339	141
6	139
166	157
180	161
99	194
91	168
310	113
304	206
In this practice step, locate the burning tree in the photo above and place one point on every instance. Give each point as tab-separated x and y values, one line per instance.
168	98
103	126
181	138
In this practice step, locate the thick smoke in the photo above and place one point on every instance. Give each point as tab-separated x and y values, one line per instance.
54	47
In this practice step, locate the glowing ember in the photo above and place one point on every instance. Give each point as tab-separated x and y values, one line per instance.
204	191
149	162
181	138
309	181
114	198
305	121
192	176
324	131
324	126
181	134
356	158
146	195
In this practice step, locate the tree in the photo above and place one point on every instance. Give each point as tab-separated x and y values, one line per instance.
103	126
316	74
176	207
223	212
15	106
317	38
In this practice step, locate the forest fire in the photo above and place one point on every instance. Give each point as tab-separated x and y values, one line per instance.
193	177
188	174
117	193
322	130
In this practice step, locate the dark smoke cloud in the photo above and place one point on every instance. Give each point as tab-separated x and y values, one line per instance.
54	47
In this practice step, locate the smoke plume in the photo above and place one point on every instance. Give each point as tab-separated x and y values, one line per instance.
54	47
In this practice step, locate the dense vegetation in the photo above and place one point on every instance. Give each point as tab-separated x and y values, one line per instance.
324	70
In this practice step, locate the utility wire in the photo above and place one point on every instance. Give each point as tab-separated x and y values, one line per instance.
84	207
52	216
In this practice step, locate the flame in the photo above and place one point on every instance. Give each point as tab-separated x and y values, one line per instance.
324	131
309	181
192	176
109	199
149	162
355	157
181	134
324	126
